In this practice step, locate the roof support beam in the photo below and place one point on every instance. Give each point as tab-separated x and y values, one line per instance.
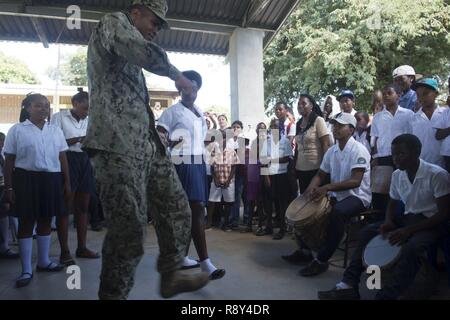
40	31
254	9
272	35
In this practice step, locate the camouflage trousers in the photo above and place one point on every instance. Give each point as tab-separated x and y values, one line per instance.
126	187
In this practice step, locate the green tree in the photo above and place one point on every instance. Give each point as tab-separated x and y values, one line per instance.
72	70
331	44
15	71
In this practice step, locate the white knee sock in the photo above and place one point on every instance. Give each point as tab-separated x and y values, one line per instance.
4	234
207	266
26	250
187	262
43	244
54	223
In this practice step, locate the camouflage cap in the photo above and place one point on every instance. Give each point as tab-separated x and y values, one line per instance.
158	7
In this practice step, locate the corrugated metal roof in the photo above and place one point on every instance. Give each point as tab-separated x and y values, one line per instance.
200	26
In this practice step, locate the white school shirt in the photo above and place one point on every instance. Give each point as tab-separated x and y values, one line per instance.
291	131
362	139
70	127
431	182
274	150
444	123
424	129
179	121
386	127
36	149
339	165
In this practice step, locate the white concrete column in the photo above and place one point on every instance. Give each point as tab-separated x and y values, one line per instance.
247	77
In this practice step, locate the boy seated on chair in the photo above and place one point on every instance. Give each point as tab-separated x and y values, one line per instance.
347	166
425	190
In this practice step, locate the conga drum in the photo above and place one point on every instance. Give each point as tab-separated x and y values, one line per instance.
309	219
381	179
379	252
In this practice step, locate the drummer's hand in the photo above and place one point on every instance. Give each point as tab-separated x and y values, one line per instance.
318	193
386	227
399	236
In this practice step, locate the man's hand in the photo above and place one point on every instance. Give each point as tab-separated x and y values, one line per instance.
399	236
386	227
318	193
183	84
10	196
75	140
267	182
173	144
67	192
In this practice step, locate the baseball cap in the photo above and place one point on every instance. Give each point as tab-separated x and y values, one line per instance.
194	76
158	7
345	118
405	70
346	93
426	82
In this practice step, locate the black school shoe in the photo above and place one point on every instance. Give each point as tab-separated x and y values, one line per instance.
264	232
313	269
9	254
24	281
339	294
217	274
298	257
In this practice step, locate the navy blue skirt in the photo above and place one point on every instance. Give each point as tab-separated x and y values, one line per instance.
194	180
81	172
38	194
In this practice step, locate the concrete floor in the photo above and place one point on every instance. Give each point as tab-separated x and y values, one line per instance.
254	270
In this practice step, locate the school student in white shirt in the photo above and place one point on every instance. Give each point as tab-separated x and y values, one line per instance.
387	124
279	153
73	124
425	190
427	119
347	102
184	127
347	166
362	132
5	250
443	134
287	128
36	180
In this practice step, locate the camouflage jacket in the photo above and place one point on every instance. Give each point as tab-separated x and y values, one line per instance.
120	119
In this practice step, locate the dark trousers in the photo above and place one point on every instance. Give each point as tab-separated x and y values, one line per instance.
281	193
266	202
340	215
380	201
304	179
408	265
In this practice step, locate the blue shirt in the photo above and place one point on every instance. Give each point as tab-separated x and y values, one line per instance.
408	100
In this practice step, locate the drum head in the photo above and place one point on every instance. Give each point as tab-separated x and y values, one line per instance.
380	252
302	208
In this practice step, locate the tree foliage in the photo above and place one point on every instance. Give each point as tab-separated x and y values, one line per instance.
331	44
15	71
72	71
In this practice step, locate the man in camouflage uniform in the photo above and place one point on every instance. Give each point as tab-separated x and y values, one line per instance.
132	167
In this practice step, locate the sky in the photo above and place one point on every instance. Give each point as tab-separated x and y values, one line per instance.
214	69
